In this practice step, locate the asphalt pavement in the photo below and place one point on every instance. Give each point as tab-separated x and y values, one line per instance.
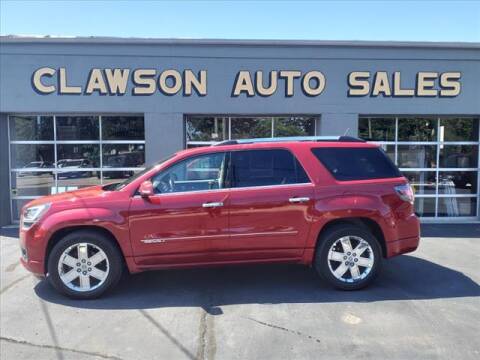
425	305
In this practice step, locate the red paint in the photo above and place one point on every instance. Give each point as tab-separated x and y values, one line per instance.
257	224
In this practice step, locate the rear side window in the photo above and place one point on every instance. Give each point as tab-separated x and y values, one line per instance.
356	163
266	167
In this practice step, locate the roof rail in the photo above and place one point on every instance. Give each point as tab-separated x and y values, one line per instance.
289	138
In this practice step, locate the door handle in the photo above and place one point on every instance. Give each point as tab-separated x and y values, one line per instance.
298	199
212	204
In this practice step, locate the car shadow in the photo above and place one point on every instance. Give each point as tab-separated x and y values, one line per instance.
403	278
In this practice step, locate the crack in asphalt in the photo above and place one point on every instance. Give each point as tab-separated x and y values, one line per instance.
59	348
13	283
284	329
207	346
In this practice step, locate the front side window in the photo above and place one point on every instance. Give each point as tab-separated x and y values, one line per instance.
265	168
204	172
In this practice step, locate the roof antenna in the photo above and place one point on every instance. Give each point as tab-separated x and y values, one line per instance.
346	132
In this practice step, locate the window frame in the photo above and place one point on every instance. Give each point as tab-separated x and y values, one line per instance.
55	142
437	170
231	117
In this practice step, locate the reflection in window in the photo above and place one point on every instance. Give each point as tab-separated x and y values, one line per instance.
294	126
417	129
247	128
458	129
32	155
458	156
31	128
425	207
455	206
32	183
123	128
77	128
377	129
417	156
123	155
457	182
78	155
73	180
423	182
202	128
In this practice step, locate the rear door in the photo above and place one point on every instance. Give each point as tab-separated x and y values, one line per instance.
271	200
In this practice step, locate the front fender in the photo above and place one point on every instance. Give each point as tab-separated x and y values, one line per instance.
103	218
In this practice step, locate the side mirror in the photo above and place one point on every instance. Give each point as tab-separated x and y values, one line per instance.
146	189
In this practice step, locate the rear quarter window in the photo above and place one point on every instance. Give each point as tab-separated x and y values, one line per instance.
357	163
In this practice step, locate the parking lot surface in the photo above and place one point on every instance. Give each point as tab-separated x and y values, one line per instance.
424	305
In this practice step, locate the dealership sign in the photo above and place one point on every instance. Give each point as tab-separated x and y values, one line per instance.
171	82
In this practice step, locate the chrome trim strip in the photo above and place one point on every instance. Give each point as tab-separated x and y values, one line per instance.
199	237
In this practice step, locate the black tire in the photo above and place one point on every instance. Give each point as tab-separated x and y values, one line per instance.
321	262
115	263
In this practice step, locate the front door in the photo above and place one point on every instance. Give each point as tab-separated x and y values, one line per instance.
270	205
189	210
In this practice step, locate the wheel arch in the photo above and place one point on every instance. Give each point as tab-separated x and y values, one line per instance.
364	222
60	233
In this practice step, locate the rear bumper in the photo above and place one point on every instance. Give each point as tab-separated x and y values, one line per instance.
402	246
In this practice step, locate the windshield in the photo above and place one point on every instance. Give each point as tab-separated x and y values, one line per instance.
121	185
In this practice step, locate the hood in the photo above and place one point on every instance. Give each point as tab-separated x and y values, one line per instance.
88	192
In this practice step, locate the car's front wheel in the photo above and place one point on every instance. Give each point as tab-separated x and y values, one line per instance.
84	264
348	257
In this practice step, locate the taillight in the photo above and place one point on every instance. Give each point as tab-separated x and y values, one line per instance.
405	192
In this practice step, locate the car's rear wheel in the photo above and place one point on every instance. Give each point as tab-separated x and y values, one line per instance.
84	265
348	257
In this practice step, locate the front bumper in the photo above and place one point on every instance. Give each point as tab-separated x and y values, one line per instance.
32	250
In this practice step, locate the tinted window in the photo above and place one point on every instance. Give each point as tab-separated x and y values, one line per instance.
266	167
356	163
204	172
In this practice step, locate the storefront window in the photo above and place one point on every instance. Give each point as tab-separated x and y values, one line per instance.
293	126
123	128
75	155
458	129
377	129
417	156
206	130
439	157
77	127
32	155
247	128
26	128
458	156
417	129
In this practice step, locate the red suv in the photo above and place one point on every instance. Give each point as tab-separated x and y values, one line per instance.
337	204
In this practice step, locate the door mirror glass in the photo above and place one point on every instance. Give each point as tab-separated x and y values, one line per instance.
146	189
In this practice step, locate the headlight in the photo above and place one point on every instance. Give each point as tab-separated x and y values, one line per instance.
32	214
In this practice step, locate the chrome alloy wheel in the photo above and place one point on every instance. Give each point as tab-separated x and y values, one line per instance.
83	267
350	259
